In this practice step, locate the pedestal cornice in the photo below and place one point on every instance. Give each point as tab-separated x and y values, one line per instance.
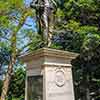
47	52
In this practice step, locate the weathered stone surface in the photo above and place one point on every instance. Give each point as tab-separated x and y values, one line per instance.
55	67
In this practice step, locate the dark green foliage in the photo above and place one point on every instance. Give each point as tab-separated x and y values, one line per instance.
5	55
17	86
86	71
1	84
77	19
69	37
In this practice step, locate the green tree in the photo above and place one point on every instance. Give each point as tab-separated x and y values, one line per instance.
86	70
17	87
8	22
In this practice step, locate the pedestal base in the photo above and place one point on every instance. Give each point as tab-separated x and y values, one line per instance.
55	68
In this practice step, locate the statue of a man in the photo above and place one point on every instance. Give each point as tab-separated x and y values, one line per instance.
44	11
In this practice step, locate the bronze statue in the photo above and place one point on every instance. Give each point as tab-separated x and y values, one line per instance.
45	16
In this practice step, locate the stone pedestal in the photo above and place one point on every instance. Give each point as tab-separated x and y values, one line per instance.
54	66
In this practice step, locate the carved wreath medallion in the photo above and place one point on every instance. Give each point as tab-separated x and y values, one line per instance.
59	77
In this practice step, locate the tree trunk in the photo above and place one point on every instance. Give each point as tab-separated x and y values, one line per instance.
87	94
13	56
7	81
87	88
10	68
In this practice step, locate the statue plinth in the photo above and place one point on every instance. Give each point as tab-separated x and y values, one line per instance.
53	67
